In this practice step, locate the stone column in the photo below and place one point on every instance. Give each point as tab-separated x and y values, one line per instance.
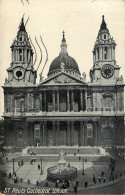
45	101
57	101
33	102
81	134
85	97
96	55
43	138
16	55
5	101
41	133
46	134
113	55
81	100
57	134
85	133
68	134
72	100
68	102
27	133
54	134
32	134
53	101
99	133
72	133
40	100
95	134
15	109
100	49
28	95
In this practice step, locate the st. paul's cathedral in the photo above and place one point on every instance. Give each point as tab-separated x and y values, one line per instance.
64	109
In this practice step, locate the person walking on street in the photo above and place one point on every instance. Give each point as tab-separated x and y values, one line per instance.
99	178
75	189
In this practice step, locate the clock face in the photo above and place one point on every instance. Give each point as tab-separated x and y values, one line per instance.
18	73
107	71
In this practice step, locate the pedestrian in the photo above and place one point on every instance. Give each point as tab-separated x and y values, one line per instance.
77	183
68	183
99	178
113	177
74	154
93	178
46	183
19	163
75	189
9	175
103	179
110	178
38	167
86	184
102	173
65	154
78	150
79	158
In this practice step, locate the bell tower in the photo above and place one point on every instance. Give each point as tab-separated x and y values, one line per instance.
21	70
105	69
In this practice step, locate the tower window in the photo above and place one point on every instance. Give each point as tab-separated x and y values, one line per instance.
20	38
20	55
98	53
104	36
105	53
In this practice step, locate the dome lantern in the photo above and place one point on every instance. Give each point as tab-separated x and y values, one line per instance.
71	65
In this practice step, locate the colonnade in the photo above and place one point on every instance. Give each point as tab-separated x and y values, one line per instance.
100	53
82	100
25	55
70	137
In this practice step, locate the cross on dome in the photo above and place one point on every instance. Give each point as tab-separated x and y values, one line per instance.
63	36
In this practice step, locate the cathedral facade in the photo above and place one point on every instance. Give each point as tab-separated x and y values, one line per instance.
64	109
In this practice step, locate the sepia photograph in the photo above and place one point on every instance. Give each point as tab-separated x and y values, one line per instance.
62	118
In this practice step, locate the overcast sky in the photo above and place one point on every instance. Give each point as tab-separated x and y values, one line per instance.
80	19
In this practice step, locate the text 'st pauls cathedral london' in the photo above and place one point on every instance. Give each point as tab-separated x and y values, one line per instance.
64	109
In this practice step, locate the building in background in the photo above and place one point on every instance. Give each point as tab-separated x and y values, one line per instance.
64	109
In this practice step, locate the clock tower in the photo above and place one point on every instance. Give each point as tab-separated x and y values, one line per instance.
21	71
105	70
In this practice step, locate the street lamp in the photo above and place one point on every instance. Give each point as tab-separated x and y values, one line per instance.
83	172
41	167
13	166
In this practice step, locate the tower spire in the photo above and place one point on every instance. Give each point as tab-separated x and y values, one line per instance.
63	45
22	26
103	25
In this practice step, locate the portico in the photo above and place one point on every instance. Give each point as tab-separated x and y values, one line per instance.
65	133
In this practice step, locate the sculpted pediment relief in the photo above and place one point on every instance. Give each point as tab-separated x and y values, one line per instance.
62	79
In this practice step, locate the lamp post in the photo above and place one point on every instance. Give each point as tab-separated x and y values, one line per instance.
13	166
41	167
83	172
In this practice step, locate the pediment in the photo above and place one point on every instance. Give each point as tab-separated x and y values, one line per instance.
62	78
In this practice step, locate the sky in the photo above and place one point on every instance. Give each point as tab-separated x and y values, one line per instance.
80	19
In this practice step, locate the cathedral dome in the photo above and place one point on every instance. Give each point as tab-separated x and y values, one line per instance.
68	62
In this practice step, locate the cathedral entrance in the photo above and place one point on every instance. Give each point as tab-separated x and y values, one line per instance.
62	134
50	133
107	136
62	100
89	134
75	133
20	137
